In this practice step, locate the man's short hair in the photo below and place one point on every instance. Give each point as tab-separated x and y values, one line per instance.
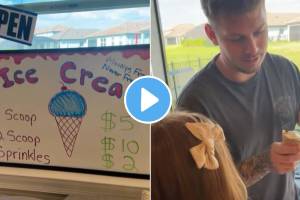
216	8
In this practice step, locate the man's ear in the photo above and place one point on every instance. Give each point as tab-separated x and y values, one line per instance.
211	34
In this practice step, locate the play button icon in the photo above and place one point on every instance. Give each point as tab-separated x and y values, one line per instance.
147	99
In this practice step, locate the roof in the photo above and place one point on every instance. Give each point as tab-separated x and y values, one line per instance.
67	33
179	30
282	19
73	34
128	27
57	28
296	20
196	32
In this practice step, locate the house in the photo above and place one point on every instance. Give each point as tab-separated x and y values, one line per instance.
175	35
283	26
59	36
73	38
130	33
50	31
196	33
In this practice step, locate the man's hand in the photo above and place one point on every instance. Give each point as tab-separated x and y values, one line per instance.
284	156
281	158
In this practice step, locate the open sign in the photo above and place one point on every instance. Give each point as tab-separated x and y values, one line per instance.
17	25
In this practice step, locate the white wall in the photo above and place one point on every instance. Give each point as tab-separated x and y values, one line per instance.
75	185
276	33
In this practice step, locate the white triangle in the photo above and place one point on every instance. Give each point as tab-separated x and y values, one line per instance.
147	99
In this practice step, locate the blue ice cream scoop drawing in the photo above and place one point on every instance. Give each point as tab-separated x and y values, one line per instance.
68	107
67	103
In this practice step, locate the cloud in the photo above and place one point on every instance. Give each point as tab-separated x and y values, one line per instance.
279	6
60	16
129	13
86	15
95	19
113	15
144	12
174	12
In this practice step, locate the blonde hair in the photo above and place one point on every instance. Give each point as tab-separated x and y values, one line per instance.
174	174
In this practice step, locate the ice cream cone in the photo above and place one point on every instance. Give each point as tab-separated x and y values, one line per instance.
68	128
68	107
290	136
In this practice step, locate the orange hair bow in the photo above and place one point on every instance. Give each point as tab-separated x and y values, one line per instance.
204	153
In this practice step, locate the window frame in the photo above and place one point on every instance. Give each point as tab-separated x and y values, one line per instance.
80	5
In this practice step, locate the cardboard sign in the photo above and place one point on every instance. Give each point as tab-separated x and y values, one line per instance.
17	25
64	108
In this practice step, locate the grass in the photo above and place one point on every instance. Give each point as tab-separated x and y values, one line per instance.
184	53
290	50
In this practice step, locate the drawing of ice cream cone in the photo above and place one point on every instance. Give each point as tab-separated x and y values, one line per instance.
68	107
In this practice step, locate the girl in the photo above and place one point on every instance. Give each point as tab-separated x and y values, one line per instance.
190	161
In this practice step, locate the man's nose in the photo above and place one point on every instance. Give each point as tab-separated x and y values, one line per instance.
251	46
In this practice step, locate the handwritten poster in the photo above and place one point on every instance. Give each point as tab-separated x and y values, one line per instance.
64	108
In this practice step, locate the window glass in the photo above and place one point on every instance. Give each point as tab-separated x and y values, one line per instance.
115	27
188	49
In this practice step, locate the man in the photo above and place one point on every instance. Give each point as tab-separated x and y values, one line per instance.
252	94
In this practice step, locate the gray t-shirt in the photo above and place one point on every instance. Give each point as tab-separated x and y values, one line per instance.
252	114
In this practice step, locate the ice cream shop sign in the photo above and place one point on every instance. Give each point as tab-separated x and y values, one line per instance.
99	84
71	100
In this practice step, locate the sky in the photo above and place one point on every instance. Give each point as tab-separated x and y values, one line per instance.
102	19
174	12
94	19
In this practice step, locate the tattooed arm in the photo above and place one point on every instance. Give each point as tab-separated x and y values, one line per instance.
255	168
282	158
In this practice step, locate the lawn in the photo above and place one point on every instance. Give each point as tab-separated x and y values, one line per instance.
200	54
